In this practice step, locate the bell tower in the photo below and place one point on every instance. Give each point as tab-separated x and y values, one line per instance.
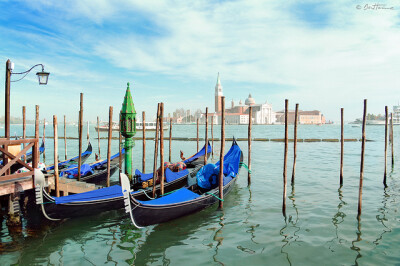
218	95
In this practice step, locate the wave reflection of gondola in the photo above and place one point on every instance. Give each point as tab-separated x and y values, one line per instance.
337	219
172	234
292	222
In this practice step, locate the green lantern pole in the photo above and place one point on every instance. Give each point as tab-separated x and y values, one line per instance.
128	129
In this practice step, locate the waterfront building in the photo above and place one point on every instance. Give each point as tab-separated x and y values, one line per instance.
239	114
304	117
396	115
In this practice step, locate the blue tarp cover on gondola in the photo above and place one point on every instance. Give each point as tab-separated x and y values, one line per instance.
73	170
180	195
207	176
68	161
200	153
169	175
98	194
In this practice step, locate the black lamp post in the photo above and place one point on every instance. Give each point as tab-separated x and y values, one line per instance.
42	76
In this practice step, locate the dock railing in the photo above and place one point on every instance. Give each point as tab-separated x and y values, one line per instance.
10	159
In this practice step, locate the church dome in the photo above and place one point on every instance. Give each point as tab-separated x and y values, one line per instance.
250	100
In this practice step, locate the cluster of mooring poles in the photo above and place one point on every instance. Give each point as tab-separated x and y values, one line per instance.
388	132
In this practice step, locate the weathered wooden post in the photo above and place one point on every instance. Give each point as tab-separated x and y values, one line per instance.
296	114
197	135
56	156
341	145
285	158
249	145
80	137
35	151
386	140
98	135
44	139
110	121
65	138
24	128
144	143
162	147
391	133
170	139
221	156
212	137
156	150
206	138
362	161
128	129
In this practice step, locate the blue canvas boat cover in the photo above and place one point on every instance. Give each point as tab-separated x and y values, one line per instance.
142	176
68	161
207	176
200	153
72	171
169	175
178	196
98	194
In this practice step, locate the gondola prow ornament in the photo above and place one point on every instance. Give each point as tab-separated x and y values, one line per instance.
128	129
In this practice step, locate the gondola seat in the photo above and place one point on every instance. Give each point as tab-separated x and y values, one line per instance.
177	196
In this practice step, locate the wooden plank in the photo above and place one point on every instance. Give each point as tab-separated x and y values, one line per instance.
14	176
24	183
16	158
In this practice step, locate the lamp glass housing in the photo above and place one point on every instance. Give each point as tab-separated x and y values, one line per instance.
43	77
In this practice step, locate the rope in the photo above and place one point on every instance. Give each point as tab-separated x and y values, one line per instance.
214	196
245	166
144	191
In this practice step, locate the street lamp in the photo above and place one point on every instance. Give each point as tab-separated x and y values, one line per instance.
42	77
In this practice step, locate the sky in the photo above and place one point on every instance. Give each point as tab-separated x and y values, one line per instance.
324	55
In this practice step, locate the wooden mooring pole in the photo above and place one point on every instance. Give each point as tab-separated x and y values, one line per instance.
80	137
386	140
24	128
156	150
144	142
162	148
197	138
285	159
35	152
206	138
249	145
341	145
44	139
170	140
65	138
98	135
110	121
221	156
56	156
362	161
392	137
212	137
296	114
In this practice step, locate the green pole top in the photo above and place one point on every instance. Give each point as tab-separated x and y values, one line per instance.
127	105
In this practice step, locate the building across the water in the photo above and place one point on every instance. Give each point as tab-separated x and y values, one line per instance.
239	113
396	115
304	117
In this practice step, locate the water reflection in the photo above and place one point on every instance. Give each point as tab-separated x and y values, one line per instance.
252	228
381	217
357	240
292	223
337	219
218	238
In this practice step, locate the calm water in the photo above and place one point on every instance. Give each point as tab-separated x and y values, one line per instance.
321	227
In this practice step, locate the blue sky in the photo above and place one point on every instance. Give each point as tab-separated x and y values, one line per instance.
323	55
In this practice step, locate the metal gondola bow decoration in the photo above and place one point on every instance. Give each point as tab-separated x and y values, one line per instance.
128	129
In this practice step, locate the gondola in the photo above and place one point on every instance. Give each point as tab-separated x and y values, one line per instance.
189	199
65	164
104	199
95	172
